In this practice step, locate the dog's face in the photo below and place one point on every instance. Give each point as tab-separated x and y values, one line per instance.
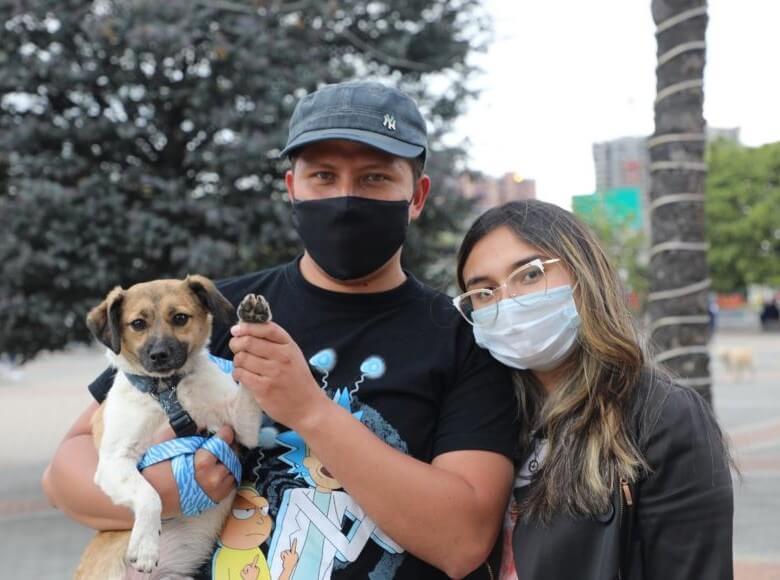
155	326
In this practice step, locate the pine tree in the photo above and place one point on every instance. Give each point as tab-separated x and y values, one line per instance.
138	138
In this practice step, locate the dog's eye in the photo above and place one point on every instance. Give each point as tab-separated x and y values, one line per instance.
180	319
138	324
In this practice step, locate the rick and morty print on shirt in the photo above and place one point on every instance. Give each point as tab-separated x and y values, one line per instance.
311	526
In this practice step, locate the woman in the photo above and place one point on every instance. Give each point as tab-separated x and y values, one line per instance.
623	474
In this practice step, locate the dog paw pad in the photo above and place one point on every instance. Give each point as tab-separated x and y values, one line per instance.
254	308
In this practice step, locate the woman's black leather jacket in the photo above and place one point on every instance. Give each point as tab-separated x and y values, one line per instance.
683	508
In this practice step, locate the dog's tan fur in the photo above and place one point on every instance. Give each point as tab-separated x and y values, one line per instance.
105	553
738	361
210	405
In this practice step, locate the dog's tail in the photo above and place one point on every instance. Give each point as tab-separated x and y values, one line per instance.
104	557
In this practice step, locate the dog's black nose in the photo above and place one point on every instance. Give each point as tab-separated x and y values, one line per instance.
159	355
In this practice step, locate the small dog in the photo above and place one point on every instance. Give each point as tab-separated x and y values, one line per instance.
738	361
157	333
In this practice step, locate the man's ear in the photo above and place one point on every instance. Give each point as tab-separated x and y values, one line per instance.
105	320
289	182
211	299
421	190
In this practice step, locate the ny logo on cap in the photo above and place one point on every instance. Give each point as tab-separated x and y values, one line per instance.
389	122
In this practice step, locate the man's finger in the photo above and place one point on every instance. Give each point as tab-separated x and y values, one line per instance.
267	330
260	347
254	562
204	459
294	544
255	365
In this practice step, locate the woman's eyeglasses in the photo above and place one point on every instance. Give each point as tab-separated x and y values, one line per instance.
480	306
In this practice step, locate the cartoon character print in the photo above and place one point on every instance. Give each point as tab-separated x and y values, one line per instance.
247	527
309	536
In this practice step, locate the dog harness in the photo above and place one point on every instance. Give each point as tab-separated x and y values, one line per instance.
181	451
163	389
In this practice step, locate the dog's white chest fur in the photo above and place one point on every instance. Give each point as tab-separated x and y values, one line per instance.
131	420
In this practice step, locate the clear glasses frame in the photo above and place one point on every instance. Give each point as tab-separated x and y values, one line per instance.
489	296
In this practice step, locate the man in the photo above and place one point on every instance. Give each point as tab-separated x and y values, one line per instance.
397	427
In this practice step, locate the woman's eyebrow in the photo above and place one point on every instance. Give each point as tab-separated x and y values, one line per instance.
518	264
476	280
523	261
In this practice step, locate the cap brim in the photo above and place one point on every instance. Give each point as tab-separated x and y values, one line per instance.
381	142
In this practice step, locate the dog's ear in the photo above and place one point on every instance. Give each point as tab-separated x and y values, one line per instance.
211	299
105	320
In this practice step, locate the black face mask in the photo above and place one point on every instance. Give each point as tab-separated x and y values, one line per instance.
350	237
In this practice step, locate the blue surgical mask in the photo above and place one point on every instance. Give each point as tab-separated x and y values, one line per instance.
537	331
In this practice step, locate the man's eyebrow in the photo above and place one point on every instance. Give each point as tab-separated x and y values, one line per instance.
518	264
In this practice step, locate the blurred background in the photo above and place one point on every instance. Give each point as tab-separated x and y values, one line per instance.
138	140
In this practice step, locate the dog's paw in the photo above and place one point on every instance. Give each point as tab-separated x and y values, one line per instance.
254	308
143	552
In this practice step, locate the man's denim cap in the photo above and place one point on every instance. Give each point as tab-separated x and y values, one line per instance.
367	112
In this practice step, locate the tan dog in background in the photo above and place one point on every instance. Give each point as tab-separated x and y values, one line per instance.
738	361
157	330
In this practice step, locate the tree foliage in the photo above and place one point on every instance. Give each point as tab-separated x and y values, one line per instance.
627	250
138	138
743	215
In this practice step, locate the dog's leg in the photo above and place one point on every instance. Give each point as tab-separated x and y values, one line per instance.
245	413
246	418
130	421
120	479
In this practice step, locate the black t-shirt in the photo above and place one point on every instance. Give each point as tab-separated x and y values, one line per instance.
406	365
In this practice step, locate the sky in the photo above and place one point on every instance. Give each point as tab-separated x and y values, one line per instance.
561	75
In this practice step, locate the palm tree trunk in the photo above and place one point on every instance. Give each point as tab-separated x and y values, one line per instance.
679	285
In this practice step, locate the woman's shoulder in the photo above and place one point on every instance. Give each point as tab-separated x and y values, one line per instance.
675	418
662	404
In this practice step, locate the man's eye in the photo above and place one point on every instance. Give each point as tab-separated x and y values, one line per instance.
376	178
138	324
180	319
323	175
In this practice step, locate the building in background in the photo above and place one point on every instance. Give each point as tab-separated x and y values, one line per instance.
625	162
620	207
623	165
493	191
729	134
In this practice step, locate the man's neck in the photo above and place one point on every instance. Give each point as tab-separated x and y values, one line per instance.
388	277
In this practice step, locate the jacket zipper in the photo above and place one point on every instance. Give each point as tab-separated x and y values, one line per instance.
626	492
629	501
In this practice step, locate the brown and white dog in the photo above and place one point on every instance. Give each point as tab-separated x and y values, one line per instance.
160	330
738	360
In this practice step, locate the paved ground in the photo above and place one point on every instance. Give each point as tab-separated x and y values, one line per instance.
38	542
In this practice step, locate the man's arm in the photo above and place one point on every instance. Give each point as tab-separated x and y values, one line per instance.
68	481
447	513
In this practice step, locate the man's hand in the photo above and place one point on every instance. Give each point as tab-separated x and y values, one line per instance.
271	365
211	474
215	479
